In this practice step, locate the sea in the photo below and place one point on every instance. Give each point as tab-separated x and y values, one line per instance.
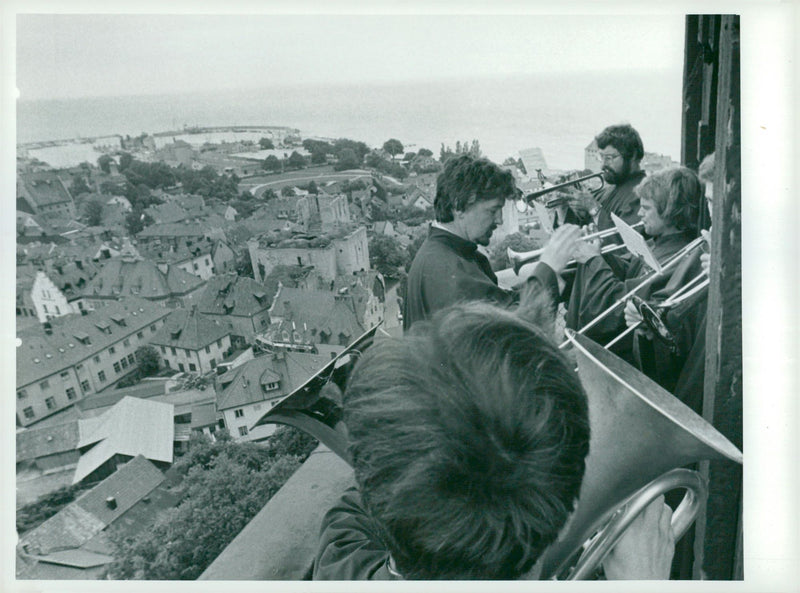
558	113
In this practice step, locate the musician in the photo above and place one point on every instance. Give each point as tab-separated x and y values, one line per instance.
669	205
621	151
679	366
468	437
448	268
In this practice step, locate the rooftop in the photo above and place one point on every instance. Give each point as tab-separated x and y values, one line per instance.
74	338
132	427
85	517
191	330
122	276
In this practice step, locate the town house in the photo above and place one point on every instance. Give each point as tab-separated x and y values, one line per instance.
189	341
72	356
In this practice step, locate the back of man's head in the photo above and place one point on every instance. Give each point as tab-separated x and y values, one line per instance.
466	180
468	438
625	139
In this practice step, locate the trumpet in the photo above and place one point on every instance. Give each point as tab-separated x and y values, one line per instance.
523	203
520	258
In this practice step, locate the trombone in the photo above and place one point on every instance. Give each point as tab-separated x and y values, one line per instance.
520	258
649	279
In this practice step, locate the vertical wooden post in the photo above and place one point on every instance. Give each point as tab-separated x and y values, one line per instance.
718	530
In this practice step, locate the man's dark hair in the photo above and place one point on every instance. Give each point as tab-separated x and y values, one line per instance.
466	180
468	437
677	194
624	138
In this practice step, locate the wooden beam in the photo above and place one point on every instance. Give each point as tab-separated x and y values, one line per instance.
718	526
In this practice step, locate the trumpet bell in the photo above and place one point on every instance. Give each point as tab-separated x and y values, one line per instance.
639	431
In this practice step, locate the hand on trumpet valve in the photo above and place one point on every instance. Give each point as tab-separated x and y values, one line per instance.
587	249
645	550
632	315
561	247
583	204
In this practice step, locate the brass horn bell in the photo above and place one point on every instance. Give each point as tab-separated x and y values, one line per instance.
640	434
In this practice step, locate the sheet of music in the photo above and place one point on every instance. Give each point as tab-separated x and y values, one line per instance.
635	242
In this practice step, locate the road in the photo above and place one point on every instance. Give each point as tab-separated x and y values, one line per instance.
257	188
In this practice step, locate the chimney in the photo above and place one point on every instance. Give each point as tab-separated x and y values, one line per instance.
111	502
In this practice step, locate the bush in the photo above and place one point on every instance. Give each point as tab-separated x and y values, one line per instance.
34	514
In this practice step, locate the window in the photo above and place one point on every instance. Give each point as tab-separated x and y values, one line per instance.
181	367
192	366
153	328
28	412
208	349
112	350
126	342
70	393
102	376
163	350
44	384
187	352
213	362
172	350
195	266
85	386
242	431
140	335
45	307
219	343
117	368
64	375
97	359
131	358
78	367
22	394
50	402
124	362
238	413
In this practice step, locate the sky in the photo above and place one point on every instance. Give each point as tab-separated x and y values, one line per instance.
77	55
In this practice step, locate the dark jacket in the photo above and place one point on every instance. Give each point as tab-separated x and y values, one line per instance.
622	201
448	269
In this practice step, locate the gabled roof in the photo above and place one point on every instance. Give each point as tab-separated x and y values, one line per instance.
85	517
122	276
533	158
132	427
33	443
289	369
322	311
232	294
43	188
188	329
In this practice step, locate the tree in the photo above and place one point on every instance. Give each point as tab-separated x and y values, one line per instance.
125	159
272	163
94	212
287	191
136	220
266	144
393	147
269	194
226	484
149	360
78	186
424	152
104	162
498	255
312	187
318	158
296	160
387	256
347	160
